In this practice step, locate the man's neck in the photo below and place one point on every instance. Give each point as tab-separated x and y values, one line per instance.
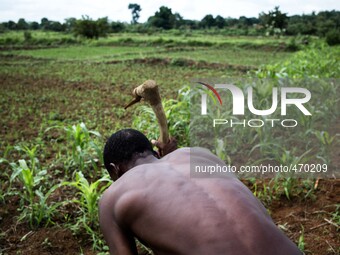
142	159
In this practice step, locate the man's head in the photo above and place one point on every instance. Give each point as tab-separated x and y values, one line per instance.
122	148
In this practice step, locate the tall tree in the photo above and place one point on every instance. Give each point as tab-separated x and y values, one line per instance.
22	24
220	21
34	25
11	25
164	18
274	20
179	21
91	29
135	10
45	23
208	21
70	23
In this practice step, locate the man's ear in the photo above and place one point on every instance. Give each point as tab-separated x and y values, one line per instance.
114	173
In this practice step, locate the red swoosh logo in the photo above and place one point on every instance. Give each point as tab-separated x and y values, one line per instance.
213	90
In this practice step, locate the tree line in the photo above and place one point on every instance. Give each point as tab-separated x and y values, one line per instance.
274	22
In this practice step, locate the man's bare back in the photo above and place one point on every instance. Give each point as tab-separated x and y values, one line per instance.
157	202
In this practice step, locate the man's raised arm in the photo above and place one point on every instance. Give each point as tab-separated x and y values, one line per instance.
120	241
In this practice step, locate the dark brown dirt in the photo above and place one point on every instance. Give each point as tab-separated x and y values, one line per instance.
46	241
19	238
26	47
312	217
186	62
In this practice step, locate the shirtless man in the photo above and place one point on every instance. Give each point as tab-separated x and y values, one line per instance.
154	200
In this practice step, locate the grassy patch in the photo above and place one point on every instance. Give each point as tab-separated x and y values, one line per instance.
84	52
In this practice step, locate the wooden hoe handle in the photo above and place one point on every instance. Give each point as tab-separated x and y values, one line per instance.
150	93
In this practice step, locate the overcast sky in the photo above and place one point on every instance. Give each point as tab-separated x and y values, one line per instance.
58	10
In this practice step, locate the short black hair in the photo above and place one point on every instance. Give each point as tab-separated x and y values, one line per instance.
122	145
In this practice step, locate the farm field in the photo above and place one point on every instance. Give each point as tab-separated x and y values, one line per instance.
249	58
203	38
59	103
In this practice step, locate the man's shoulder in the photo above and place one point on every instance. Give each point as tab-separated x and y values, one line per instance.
187	152
123	200
194	153
130	181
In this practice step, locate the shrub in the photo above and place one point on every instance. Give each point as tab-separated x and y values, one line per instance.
317	60
27	36
92	29
333	37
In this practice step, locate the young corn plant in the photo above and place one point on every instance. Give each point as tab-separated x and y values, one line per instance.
5	153
2	191
84	150
88	196
266	192
220	150
41	212
265	141
98	159
336	215
286	157
44	211
326	141
309	188
301	241
79	137
270	191
29	177
289	184
31	153
307	122
263	93
36	209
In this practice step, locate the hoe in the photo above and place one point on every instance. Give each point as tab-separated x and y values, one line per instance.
149	92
